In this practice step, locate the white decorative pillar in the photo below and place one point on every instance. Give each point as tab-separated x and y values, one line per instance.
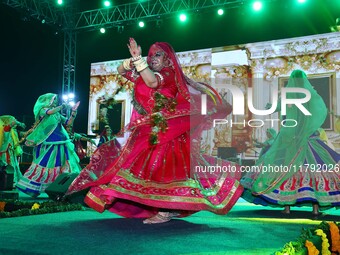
260	99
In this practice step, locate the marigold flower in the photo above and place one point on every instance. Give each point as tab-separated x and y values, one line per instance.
325	244
2	206
312	250
35	206
335	237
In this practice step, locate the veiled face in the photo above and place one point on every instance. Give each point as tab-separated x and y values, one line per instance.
157	61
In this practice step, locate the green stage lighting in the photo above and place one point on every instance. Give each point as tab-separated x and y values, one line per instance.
257	5
107	3
182	17
102	30
141	24
220	11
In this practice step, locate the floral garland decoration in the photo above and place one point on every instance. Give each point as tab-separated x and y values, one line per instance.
163	102
312	250
107	102
310	241
125	84
325	244
335	237
15	208
158	121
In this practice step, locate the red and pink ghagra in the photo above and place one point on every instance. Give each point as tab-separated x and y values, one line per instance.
156	170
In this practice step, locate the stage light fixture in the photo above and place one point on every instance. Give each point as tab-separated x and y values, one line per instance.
220	12
102	30
69	100
301	1
257	5
182	17
60	2
68	97
141	24
107	3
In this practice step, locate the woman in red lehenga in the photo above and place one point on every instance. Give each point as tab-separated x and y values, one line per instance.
160	172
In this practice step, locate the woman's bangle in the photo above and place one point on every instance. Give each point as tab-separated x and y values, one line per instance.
134	59
140	64
127	64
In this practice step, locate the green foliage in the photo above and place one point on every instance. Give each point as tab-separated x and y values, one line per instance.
16	208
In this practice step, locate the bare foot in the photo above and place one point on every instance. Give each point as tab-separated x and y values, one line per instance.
160	217
315	209
286	210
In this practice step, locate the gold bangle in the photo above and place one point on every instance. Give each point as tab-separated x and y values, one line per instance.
140	64
127	64
134	59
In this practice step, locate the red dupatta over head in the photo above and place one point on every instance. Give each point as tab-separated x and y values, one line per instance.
182	80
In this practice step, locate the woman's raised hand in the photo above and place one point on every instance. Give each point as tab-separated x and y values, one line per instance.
134	48
75	107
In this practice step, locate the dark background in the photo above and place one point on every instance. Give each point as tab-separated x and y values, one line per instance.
32	53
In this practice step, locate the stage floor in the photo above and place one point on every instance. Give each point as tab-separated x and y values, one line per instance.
247	229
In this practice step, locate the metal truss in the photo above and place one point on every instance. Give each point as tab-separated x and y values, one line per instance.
71	22
125	14
43	10
69	68
62	17
69	19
